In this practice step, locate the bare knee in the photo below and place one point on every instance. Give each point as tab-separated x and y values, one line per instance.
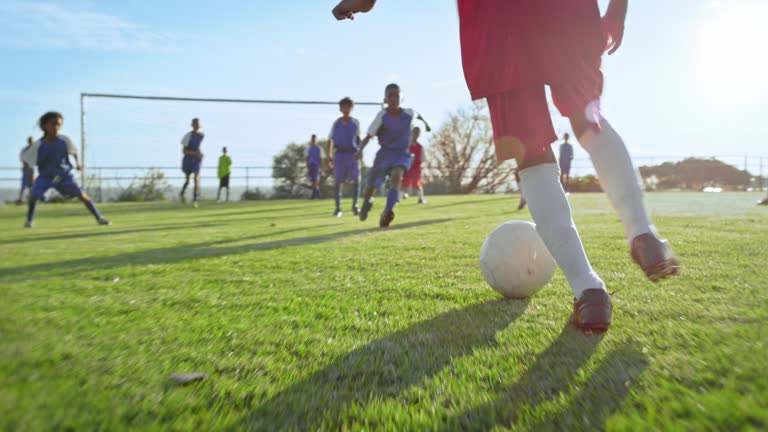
396	176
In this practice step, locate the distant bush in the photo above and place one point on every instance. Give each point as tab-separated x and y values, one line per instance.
587	183
151	187
254	195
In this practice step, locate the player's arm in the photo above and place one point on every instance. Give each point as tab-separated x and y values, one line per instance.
613	24
346	9
330	146
372	131
426	125
72	151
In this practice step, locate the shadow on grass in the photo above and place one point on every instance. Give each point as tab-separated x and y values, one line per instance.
383	368
185	253
466	202
109	232
550	378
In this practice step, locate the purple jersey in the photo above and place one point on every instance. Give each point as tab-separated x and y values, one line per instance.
52	159
345	136
393	131
313	155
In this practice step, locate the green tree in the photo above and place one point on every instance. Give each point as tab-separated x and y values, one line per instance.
289	170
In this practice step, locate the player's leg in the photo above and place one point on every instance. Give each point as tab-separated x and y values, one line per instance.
618	176
227	191
420	186
184	187
36	192
338	183
196	192
86	200
393	195
523	130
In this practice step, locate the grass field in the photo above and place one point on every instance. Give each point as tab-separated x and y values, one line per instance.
303	321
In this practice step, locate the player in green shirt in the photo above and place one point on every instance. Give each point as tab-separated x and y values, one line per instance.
225	169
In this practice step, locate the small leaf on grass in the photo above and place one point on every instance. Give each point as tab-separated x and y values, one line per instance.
187	378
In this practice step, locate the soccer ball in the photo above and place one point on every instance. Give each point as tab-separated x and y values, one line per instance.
515	261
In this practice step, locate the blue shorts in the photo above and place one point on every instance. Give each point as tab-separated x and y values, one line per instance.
346	167
64	184
314	173
383	164
565	167
191	165
26	177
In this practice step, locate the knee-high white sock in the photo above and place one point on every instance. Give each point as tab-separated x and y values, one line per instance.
552	214
618	177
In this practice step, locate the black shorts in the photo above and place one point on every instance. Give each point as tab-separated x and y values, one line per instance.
224	181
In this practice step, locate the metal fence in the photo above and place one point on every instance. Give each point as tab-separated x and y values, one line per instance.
104	183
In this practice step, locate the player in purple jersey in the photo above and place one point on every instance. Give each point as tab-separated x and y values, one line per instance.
51	155
27	172
192	160
392	127
343	143
314	160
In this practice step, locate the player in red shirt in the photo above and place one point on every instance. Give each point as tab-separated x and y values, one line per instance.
412	179
511	50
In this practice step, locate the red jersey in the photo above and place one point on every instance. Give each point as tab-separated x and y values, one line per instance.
510	44
415	150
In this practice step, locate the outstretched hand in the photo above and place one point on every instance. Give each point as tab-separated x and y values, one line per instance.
614	32
346	9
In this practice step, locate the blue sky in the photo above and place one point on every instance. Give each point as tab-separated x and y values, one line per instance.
689	79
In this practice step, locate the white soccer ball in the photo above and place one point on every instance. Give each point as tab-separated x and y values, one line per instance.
515	261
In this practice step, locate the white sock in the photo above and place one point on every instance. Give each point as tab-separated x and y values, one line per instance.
618	177
421	194
552	214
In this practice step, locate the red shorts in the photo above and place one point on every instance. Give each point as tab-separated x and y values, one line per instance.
412	179
512	49
522	117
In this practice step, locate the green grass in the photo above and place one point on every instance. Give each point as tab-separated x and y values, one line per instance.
304	321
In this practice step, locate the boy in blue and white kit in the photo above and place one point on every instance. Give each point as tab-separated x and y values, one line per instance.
392	127
343	143
193	158
314	160
51	155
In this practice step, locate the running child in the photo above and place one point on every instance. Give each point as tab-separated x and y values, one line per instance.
511	50
192	160
565	159
314	160
343	144
412	179
224	170
51	156
392	127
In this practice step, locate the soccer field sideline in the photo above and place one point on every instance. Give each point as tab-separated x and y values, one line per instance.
304	321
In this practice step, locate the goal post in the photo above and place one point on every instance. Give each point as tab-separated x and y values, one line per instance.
84	96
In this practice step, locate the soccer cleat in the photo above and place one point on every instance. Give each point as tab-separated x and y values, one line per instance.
28	224
387	216
422	201
592	311
103	221
355	210
763	202
337	213
405	196
367	206
654	256
521	205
